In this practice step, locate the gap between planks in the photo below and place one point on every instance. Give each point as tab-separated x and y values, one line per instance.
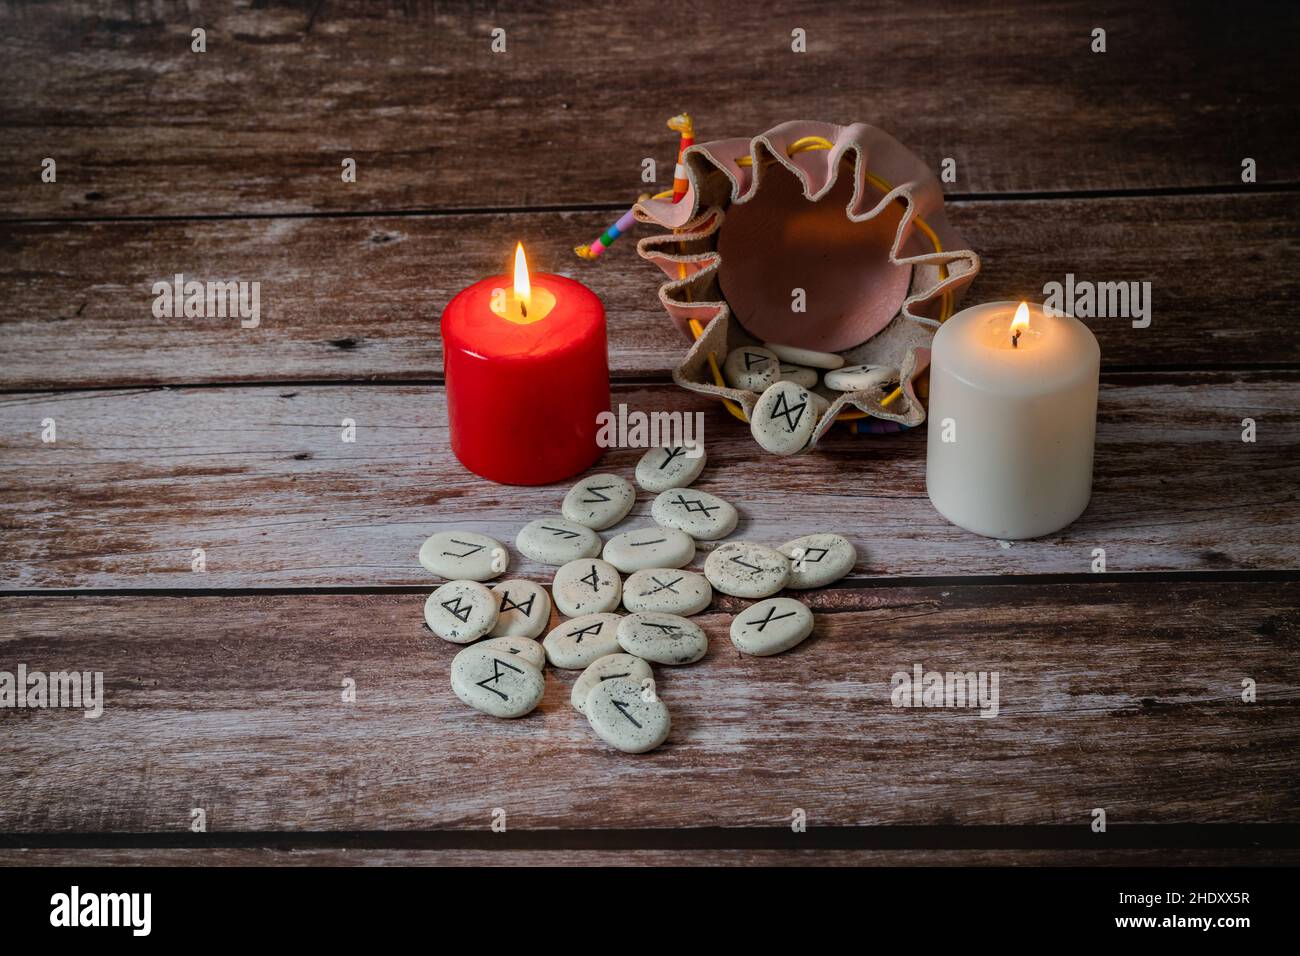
1115	372
863	583
1059	195
1133	836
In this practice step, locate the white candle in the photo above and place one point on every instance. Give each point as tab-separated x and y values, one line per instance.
1012	420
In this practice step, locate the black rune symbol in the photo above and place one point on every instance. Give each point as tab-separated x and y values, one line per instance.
581	632
510	604
736	559
669	455
665	628
497	664
753	359
596	490
696	504
642	544
663	586
560	532
473	549
821	553
791	413
460	610
593	579
770	618
622	709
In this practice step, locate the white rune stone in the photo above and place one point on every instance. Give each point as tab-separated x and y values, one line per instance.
784	418
464	556
751	368
771	626
703	516
799	374
606	668
496	682
853	378
599	501
798	356
557	541
523	609
587	586
649	548
668	591
627	715
746	570
818	559
662	468
461	611
525	647
662	638
574	644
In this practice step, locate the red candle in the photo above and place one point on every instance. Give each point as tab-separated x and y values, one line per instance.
527	373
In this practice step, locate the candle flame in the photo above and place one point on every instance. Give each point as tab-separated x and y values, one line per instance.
527	305
523	288
1021	322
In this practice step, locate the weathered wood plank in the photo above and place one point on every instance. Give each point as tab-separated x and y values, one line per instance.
1113	695
261	480
360	298
1258	856
260	122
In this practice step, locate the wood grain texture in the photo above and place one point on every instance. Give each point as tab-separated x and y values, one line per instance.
260	479
360	298
260	123
1259	856
1114	695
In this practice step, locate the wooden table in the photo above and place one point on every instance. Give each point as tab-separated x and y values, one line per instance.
1119	690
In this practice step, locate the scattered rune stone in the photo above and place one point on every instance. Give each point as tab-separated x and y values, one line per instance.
622	716
703	516
854	378
525	647
557	541
751	367
784	418
523	609
464	556
662	638
599	501
649	548
667	590
817	560
587	586
606	668
574	644
662	468
747	570
461	611
799	374
497	683
811	357
771	626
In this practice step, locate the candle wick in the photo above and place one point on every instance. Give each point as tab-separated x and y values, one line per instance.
523	310
1015	339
